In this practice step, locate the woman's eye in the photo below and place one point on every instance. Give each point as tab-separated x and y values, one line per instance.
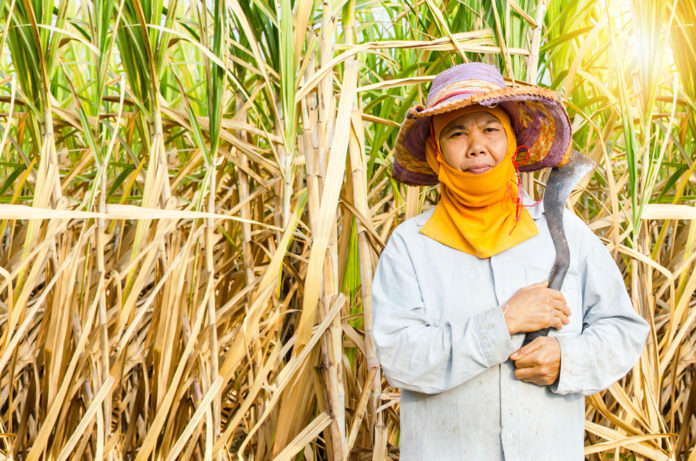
491	129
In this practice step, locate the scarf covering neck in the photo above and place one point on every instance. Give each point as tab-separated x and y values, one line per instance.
477	213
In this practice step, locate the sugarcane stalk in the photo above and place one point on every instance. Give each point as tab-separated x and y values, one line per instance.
212	318
359	175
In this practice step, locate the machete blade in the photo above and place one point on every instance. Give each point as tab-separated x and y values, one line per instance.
558	188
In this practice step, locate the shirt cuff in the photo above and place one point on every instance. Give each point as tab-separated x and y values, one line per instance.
493	336
570	376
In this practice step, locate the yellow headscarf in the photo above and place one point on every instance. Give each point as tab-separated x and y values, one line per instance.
477	213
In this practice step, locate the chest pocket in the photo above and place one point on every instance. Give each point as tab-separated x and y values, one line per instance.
572	292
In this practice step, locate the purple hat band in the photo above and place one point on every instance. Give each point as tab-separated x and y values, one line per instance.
464	79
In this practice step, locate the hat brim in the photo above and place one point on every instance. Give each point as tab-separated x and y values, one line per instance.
537	115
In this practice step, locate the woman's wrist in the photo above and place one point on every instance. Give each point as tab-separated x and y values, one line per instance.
508	320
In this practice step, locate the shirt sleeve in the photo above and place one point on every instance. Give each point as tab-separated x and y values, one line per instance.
613	333
421	355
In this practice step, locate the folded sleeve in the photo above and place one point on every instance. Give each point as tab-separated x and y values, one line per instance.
417	353
613	333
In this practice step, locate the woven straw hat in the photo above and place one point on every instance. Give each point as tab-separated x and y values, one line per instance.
537	115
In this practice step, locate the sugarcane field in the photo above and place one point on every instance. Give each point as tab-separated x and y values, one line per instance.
348	230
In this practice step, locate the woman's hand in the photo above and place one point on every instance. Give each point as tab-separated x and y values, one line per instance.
534	308
539	362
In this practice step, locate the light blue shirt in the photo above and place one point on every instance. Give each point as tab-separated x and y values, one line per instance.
441	337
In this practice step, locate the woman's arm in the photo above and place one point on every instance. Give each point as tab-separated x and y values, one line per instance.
418	354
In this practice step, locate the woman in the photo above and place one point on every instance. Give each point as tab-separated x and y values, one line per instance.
458	286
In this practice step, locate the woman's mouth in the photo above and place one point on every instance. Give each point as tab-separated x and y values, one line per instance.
478	169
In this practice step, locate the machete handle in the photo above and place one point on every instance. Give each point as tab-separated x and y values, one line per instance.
535	334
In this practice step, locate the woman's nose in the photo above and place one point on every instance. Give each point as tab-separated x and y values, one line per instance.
476	144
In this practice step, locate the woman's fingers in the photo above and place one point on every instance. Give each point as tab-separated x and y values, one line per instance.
536	307
555	294
525	352
562	316
538	362
562	308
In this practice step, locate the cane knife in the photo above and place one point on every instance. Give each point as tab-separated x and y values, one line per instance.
560	184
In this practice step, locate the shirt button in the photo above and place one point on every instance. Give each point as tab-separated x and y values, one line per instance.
508	435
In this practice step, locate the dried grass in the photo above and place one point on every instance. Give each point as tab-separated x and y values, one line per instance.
192	209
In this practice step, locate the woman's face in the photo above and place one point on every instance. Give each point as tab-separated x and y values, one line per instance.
474	143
